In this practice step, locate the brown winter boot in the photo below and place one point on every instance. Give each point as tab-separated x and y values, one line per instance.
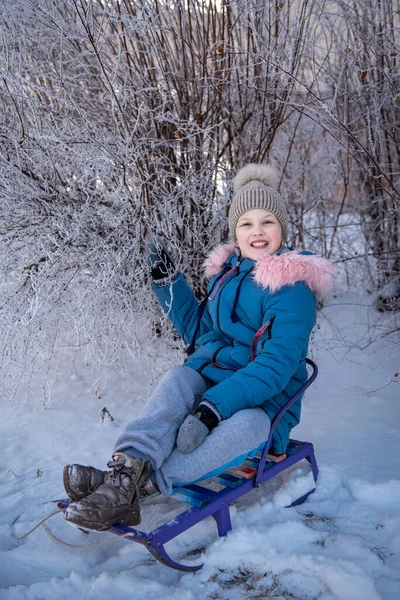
80	481
117	499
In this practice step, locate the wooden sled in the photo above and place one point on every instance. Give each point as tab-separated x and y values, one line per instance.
236	482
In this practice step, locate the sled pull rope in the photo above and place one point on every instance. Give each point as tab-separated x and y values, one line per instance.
57	539
33	528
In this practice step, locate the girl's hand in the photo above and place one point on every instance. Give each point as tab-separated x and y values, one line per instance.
196	428
159	260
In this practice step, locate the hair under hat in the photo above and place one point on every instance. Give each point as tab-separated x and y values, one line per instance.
256	186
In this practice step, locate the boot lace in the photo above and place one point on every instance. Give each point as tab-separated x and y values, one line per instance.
119	470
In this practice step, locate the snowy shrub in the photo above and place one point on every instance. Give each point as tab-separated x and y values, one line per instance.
125	119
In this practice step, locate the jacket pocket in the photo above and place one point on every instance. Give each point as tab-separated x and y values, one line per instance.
219	366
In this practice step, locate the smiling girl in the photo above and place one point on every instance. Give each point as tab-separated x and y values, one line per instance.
248	344
258	232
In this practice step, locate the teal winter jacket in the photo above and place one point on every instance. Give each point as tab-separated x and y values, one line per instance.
252	339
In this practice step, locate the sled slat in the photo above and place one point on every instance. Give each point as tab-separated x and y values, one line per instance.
193	495
228	480
243	472
252	462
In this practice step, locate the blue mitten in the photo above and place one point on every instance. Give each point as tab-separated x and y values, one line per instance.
196	428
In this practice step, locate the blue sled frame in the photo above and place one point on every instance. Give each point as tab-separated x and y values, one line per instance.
205	502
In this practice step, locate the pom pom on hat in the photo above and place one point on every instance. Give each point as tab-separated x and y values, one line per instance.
256	186
253	172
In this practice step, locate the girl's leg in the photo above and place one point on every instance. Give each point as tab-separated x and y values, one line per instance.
153	434
242	432
152	437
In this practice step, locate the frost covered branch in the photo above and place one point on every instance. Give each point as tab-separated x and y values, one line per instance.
125	119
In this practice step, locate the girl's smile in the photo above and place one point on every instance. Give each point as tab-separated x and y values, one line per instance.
258	232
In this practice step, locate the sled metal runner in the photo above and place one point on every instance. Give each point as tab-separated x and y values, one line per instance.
205	502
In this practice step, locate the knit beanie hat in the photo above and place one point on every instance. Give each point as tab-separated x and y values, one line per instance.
256	186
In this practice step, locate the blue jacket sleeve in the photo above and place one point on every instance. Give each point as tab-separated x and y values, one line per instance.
181	307
292	313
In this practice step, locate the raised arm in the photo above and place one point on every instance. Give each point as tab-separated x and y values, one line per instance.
174	294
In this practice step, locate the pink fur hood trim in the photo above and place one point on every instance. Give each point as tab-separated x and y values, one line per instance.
274	271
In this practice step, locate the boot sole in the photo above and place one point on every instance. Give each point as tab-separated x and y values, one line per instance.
129	518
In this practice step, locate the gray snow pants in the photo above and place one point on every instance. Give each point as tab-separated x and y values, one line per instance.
153	434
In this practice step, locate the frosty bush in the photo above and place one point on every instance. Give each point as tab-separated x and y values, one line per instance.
126	118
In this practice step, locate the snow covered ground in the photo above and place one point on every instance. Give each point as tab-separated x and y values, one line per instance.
343	543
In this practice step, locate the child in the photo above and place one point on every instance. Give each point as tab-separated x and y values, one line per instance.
250	340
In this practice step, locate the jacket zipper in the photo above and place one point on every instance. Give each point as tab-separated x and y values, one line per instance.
269	329
214	293
267	326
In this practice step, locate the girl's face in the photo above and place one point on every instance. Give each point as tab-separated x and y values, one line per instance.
258	232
